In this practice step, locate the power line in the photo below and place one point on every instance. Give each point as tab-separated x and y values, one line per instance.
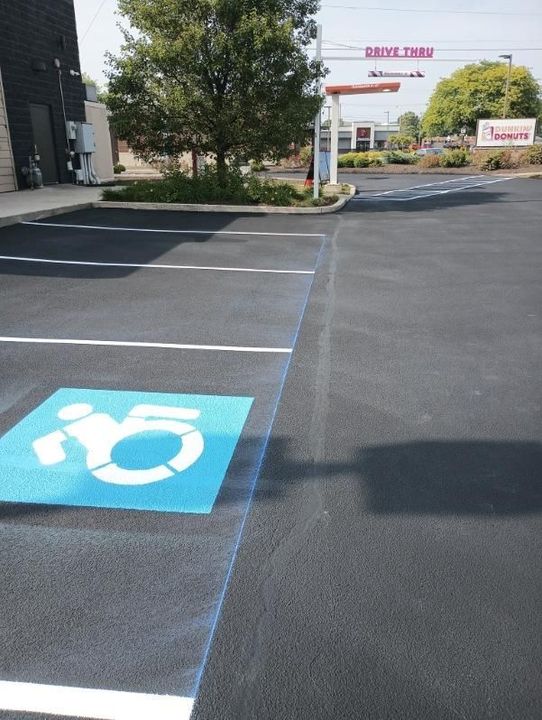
360	58
91	23
450	50
428	12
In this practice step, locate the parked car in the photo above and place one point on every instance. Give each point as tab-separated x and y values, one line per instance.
429	151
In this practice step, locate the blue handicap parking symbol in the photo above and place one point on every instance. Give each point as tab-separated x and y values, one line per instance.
130	450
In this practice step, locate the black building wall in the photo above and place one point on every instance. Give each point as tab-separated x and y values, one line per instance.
33	32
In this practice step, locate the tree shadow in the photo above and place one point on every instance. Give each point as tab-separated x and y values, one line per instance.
115	244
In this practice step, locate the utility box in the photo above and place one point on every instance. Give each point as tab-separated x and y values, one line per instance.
85	141
71	129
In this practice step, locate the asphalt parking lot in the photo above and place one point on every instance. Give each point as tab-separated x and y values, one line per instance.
359	534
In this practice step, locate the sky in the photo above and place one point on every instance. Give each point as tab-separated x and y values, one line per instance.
460	31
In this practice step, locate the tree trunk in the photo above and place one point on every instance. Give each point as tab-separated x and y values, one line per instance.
221	167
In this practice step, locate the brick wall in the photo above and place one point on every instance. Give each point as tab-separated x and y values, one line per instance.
39	31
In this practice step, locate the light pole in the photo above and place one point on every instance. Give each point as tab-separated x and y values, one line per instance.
509	58
387	114
317	122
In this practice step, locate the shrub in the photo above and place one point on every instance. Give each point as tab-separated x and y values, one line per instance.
454	158
490	160
292	162
509	159
396	157
305	156
496	160
361	160
119	168
375	158
257	166
429	161
532	155
267	192
208	187
347	160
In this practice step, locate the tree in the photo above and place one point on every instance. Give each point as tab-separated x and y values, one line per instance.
227	77
409	124
477	91
401	141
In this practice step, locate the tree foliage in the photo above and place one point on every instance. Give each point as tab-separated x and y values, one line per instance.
401	141
227	77
477	91
409	124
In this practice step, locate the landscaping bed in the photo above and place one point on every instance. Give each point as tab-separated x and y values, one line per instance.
209	189
457	161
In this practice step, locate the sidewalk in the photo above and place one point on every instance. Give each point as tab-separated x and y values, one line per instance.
47	201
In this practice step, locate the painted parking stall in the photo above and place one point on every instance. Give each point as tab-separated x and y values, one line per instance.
137	405
429	190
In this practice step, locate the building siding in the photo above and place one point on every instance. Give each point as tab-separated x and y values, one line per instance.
39	30
7	175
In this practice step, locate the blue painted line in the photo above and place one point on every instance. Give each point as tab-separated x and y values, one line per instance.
254	483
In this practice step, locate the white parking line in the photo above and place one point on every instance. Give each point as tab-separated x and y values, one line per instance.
154	266
393	195
429	185
151	345
89	703
178	232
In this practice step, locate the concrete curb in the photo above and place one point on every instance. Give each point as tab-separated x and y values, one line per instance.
244	209
513	176
40	214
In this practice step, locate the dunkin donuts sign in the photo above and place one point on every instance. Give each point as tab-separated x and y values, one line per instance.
503	133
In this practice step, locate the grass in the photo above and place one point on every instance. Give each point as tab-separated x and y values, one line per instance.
207	188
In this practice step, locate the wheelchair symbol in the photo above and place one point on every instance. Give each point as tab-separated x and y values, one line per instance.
99	433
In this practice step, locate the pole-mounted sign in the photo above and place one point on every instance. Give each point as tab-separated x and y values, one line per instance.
362	89
397	73
395	51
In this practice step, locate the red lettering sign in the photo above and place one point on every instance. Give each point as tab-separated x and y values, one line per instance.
407	51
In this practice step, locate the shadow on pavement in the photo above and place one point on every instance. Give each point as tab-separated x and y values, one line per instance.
426	477
111	245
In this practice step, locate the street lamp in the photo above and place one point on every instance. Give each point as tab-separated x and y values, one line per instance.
509	58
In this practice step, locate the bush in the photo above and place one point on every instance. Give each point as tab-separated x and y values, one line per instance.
293	162
489	160
207	187
347	160
375	158
429	161
361	160
257	166
532	155
267	192
496	160
454	158
305	156
119	168
397	157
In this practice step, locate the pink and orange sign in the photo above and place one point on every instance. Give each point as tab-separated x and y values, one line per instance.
396	51
362	89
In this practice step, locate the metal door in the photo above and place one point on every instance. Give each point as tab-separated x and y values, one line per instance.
44	141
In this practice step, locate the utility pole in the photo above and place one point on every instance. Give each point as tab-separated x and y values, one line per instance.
317	120
509	58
